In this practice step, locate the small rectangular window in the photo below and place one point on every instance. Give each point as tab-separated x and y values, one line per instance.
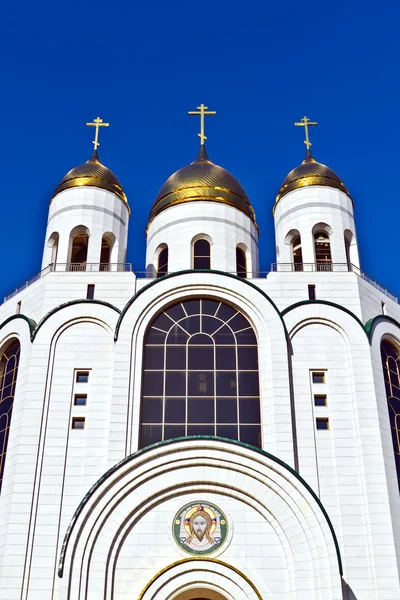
320	400
18	311
311	292
82	376
80	399
318	377
322	423
383	307
78	422
90	291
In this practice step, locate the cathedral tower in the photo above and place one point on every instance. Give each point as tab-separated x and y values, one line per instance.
202	219
314	220
87	227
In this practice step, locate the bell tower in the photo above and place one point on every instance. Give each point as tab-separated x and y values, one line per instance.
87	227
314	219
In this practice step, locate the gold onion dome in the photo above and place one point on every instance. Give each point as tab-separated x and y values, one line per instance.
202	180
310	172
92	173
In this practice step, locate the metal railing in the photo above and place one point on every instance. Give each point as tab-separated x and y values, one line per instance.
275	267
331	267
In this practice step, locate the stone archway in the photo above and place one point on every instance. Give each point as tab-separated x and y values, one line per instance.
199	594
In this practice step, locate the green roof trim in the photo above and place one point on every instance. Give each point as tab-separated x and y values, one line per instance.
71	303
189	439
31	323
370	325
328	303
189	272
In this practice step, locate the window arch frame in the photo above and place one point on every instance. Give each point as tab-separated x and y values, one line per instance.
197	259
241	272
79	230
8	406
158	395
322	229
162	260
392	390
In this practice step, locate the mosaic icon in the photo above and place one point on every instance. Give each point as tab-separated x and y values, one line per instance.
200	528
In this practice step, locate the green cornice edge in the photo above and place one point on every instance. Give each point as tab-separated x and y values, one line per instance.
65	305
127	459
369	326
31	323
328	303
188	272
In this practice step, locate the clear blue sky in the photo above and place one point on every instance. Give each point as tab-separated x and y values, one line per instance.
261	65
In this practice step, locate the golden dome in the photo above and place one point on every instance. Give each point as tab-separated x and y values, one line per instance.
92	173
202	180
310	172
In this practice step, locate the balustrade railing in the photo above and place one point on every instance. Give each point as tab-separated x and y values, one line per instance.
275	267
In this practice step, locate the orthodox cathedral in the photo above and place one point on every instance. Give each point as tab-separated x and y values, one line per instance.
202	430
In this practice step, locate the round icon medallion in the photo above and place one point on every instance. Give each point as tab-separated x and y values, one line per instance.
200	528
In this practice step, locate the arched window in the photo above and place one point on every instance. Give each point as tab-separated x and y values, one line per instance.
162	268
78	249
105	254
297	253
202	254
323	256
200	374
52	248
391	372
241	263
8	378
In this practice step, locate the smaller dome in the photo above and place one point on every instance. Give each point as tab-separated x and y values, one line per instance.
310	172
202	180
92	173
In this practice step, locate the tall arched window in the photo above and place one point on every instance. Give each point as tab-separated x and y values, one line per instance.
297	253
323	256
79	249
202	254
162	266
105	254
241	263
200	374
8	378
391	372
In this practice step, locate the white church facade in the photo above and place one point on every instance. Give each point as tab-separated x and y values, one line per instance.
205	431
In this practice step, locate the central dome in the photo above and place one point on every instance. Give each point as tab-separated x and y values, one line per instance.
202	180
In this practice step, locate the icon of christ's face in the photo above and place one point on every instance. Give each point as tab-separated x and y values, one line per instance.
199	527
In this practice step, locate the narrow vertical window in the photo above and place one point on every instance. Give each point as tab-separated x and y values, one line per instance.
383	308
19	304
297	253
105	255
391	372
311	292
323	256
9	363
162	268
90	291
202	254
241	263
79	250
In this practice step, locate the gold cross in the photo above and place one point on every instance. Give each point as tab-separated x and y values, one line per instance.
97	123
306	123
202	111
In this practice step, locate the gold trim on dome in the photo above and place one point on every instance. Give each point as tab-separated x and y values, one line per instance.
199	559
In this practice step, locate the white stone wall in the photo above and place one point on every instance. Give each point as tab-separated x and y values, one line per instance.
225	226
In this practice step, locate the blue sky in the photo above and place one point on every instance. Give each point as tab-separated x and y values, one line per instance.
260	65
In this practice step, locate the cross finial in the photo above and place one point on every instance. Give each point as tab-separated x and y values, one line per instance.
202	111
306	123
97	123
